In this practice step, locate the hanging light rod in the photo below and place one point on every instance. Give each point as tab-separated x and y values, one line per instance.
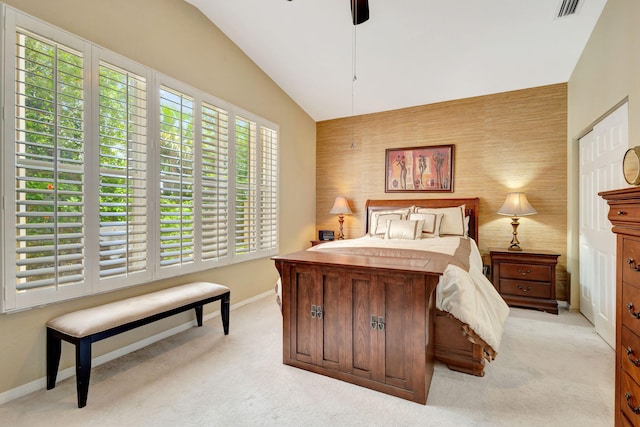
359	11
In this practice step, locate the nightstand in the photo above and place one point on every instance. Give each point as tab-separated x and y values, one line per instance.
526	278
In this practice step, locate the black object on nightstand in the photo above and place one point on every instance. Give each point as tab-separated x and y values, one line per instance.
526	278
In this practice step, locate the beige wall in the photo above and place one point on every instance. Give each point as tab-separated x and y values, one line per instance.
174	38
503	142
605	75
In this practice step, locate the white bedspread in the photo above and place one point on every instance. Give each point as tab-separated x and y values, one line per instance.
467	295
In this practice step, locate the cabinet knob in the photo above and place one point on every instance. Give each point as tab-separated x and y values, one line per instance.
622	213
635	409
634	314
632	264
374	322
636	362
524	272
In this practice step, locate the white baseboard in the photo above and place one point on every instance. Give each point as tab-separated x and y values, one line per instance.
41	383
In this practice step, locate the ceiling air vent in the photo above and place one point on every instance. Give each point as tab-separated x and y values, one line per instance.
568	8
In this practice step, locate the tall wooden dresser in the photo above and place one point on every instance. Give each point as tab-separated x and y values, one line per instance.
624	214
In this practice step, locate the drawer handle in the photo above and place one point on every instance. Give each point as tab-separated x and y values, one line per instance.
622	213
636	362
525	272
635	409
523	289
631	263
631	312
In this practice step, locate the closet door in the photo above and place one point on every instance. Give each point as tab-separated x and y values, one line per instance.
601	153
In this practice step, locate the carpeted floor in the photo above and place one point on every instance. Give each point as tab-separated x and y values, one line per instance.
551	371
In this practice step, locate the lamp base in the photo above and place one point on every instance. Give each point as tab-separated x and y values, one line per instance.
515	244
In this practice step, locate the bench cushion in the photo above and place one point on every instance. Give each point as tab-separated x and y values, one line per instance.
92	320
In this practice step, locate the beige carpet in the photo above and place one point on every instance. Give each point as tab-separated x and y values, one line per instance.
551	371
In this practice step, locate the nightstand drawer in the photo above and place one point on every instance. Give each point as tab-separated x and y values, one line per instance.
525	288
631	259
630	353
541	273
630	308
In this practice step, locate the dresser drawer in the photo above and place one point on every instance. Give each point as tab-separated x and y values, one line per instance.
631	261
626	213
630	303
525	288
630	353
629	398
541	273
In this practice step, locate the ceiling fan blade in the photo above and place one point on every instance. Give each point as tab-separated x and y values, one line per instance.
359	11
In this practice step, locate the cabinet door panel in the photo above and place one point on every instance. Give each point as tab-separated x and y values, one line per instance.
332	326
363	336
303	331
404	338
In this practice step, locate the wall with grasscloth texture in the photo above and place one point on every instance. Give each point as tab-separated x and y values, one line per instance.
513	141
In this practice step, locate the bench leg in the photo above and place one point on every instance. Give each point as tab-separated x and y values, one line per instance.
225	305
83	370
198	309
54	347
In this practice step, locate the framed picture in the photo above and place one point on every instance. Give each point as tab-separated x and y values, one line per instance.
419	169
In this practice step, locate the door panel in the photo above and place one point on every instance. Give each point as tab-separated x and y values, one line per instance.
601	153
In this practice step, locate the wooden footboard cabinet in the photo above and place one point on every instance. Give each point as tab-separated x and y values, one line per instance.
624	214
360	321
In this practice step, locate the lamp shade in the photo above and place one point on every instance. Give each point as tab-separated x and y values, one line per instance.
516	205
340	206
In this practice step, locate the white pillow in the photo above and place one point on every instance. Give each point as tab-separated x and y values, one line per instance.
431	223
403	229
452	220
378	220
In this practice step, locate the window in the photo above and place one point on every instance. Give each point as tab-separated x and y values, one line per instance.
123	173
91	204
48	165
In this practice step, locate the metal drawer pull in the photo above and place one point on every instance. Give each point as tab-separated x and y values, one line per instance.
525	272
523	289
374	322
631	262
314	311
381	323
631	312
636	362
319	311
622	213
635	409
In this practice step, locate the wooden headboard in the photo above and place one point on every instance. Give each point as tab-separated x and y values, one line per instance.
472	207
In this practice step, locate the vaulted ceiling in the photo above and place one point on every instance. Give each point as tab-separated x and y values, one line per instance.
410	52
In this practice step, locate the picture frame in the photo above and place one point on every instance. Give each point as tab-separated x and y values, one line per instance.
419	169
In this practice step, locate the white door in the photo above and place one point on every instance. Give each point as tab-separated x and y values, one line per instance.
601	153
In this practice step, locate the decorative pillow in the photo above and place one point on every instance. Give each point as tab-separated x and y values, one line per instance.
378	220
431	223
452	220
403	229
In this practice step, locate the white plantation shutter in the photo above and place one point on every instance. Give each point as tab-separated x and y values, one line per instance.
215	182
49	162
176	178
98	194
268	188
245	196
123	174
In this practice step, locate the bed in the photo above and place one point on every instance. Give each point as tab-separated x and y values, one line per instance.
424	296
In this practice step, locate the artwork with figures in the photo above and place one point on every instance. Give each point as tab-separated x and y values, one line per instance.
419	169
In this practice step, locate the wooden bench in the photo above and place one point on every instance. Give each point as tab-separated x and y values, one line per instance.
84	327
